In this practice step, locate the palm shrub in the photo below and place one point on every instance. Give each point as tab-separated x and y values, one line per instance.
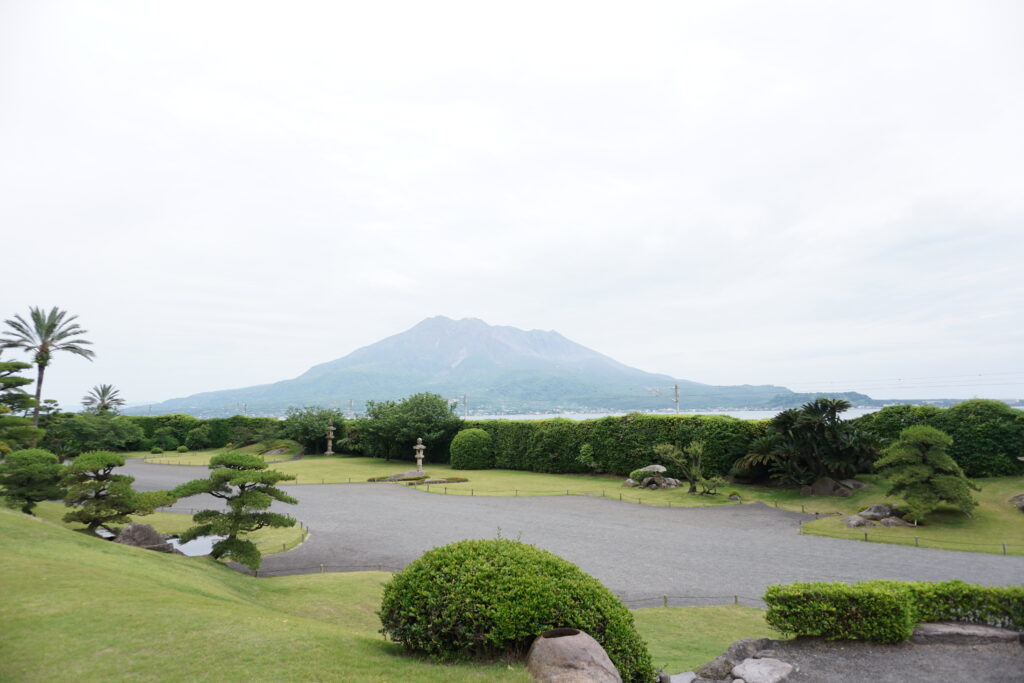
30	476
491	598
471	450
921	472
248	488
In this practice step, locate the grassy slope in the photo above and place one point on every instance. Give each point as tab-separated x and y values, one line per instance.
994	522
74	607
202	458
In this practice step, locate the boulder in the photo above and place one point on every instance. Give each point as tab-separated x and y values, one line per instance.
762	670
825	486
852	484
893	521
567	655
655	469
857	521
1018	500
721	667
735	497
143	536
629	483
956	632
876	512
411	474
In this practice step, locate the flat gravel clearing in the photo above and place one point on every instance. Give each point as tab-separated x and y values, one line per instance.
693	555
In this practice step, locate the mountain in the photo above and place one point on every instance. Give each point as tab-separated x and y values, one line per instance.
500	369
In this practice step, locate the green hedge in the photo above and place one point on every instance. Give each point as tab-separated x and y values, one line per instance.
490	598
988	436
619	444
239	430
886	611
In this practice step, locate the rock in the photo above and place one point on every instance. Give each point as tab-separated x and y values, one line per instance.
853	484
720	667
567	655
876	512
275	451
858	521
685	677
1018	500
143	536
766	654
954	632
629	483
762	670
894	521
411	474
735	497
656	469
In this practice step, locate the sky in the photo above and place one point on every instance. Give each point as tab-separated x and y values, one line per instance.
827	196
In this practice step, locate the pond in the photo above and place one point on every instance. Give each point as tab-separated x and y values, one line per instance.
197	546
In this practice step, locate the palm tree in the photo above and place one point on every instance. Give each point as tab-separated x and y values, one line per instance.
48	332
103	398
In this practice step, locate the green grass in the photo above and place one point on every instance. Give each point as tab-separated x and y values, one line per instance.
74	607
706	632
202	458
993	523
268	541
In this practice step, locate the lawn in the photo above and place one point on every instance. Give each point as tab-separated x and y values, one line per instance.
268	541
77	608
993	523
202	458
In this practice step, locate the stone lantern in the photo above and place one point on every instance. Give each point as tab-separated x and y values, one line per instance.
418	451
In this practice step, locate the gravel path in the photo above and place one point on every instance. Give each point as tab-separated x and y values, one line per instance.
693	555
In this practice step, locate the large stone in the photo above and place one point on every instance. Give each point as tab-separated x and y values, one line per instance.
955	632
1018	500
411	474
567	655
143	536
857	521
721	667
894	521
762	670
656	469
876	512
629	483
825	486
852	484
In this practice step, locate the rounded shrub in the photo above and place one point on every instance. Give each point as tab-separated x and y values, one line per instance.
471	450
491	598
182	449
156	450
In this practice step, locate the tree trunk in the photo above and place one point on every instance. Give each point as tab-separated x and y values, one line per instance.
39	395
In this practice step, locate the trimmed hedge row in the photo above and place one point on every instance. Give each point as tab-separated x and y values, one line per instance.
988	436
887	611
222	430
617	445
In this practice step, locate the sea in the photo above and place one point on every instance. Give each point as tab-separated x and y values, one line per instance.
742	414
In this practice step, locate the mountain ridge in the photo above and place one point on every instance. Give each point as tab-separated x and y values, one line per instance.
501	368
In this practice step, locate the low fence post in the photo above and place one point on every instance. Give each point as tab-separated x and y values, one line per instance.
1004	549
664	601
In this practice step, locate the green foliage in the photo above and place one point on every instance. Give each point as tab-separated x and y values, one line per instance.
248	488
471	450
921	472
586	459
490	598
103	498
390	429
198	438
804	445
70	434
30	476
309	426
617	445
156	450
165	438
15	432
988	436
839	611
182	449
103	398
638	475
886	611
687	463
239	429
47	333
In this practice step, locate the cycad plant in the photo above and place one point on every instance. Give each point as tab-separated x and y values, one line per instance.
43	334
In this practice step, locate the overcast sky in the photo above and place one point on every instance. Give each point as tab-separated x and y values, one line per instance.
827	196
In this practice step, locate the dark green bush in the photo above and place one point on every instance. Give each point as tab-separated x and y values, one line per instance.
886	611
638	475
199	437
156	450
839	611
182	449
471	450
988	436
490	598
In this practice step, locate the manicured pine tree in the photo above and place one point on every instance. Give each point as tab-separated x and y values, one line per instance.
30	476
103	498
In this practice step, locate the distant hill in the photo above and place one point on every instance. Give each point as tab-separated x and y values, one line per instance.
500	369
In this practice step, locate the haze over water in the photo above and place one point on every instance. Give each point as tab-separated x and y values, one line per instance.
742	414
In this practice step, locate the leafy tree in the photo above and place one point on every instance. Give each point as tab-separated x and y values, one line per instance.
47	333
248	488
392	428
199	438
921	472
685	464
15	432
165	439
103	498
30	476
308	426
804	445
71	433
103	398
